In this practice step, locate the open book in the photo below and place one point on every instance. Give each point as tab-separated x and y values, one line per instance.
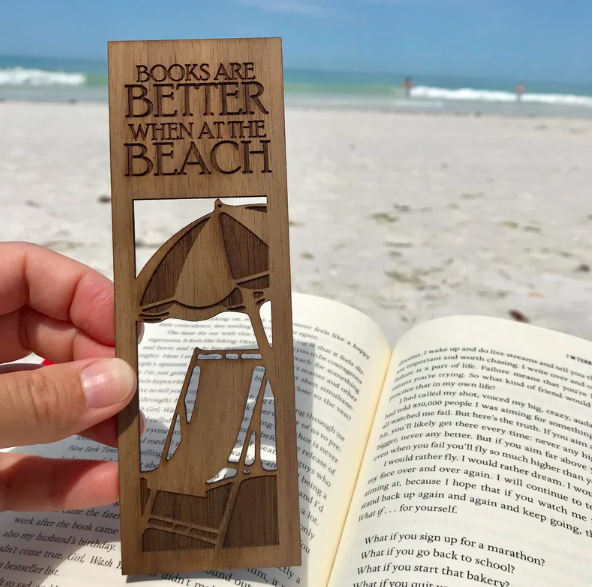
461	457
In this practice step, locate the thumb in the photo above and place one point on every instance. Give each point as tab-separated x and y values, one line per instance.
51	403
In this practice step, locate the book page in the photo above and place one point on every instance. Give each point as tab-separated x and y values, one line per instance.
478	468
341	359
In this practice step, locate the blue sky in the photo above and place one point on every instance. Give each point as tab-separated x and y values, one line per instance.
513	39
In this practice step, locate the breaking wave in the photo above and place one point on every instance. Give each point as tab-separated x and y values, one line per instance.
20	76
471	94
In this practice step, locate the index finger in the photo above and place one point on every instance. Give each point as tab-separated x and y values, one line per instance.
58	287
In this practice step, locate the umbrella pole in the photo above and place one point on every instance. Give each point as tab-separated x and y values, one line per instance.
258	328
264	349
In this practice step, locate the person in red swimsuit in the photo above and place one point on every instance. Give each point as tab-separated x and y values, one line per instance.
407	85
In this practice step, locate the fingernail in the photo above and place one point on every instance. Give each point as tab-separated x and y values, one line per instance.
142	424
107	382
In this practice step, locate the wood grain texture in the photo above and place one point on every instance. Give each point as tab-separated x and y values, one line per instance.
205	119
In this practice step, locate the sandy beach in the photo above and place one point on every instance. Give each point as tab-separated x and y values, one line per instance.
405	217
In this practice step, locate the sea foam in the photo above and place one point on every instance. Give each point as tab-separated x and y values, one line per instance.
472	94
20	76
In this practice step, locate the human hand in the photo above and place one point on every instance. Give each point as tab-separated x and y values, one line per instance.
63	311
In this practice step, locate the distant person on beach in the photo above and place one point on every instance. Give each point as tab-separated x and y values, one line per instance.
519	91
407	85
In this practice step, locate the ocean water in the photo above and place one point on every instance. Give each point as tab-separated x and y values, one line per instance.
78	80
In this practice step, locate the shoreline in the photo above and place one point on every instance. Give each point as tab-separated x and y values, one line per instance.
337	104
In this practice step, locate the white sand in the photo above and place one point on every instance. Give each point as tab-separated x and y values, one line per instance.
406	217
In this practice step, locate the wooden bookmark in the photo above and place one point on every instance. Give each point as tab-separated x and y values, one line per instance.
205	119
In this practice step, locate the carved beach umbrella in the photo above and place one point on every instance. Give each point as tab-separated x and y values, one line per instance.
219	262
